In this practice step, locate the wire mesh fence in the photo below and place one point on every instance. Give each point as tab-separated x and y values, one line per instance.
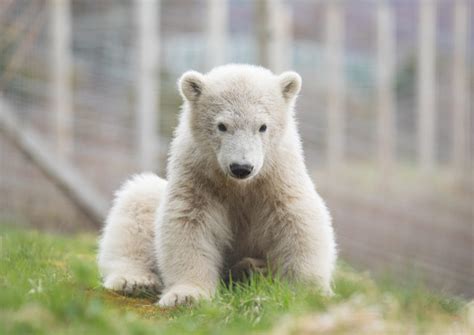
384	112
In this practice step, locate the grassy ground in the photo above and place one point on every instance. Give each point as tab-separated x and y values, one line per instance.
49	285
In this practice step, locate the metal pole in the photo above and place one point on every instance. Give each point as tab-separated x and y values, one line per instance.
427	84
61	60
336	84
385	89
217	32
147	17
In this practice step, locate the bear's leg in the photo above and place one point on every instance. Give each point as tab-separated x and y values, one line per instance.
303	249
126	257
190	243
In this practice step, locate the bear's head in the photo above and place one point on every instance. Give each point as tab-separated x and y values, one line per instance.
238	114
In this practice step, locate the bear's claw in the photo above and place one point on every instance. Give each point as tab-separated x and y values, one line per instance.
133	284
182	295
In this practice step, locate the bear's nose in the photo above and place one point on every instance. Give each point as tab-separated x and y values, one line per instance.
241	171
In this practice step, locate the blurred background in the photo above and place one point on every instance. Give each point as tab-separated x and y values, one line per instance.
88	97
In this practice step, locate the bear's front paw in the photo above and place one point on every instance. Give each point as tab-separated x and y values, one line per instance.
132	284
182	295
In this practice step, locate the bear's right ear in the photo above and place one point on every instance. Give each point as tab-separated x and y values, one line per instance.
191	85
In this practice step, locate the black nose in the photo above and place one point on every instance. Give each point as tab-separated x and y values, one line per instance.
241	171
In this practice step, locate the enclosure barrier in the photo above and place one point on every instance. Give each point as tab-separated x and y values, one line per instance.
63	134
62	174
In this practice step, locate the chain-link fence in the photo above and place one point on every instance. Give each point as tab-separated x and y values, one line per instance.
384	112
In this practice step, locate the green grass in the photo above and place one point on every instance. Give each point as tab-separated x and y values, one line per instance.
49	285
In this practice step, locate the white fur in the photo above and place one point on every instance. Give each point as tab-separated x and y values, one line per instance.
126	260
207	220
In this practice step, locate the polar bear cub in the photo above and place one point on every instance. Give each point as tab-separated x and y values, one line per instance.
237	188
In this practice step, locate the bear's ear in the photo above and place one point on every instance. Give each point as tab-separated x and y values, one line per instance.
191	85
290	83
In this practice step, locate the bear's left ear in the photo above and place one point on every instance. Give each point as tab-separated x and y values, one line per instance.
290	84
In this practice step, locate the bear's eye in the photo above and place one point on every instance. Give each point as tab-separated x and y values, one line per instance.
263	128
222	127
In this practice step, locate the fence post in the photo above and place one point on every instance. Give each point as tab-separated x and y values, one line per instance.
282	23
61	90
336	85
426	84
273	34
385	90
147	18
264	33
460	87
216	32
